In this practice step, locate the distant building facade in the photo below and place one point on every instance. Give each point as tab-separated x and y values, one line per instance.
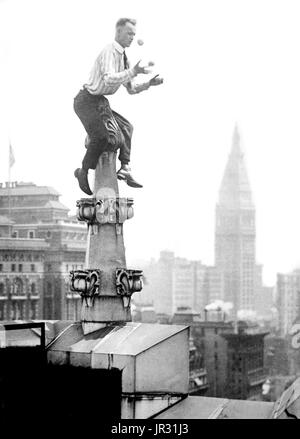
39	245
277	355
213	285
189	285
246	371
172	283
234	362
198	377
158	284
288	300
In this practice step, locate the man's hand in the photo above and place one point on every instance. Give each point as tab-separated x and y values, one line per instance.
156	80
138	69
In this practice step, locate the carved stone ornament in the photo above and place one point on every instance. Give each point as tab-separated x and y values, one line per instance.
86	210
115	137
86	282
114	210
128	281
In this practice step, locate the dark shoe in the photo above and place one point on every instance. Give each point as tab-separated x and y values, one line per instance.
81	175
124	174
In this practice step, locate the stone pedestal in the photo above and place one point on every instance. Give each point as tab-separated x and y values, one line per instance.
105	250
105	285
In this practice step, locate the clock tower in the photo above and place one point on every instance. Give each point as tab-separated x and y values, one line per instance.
235	231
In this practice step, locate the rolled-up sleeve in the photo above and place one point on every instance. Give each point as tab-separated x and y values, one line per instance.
133	88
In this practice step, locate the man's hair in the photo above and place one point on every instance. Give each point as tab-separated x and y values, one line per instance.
122	21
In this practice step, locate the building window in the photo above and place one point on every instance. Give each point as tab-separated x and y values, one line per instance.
1	289
15	310
18	287
14	234
31	234
49	289
33	309
1	267
13	267
48	309
32	267
33	289
2	311
20	268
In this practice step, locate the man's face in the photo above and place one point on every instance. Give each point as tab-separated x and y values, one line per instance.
126	34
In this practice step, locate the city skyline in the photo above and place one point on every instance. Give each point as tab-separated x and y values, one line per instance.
244	69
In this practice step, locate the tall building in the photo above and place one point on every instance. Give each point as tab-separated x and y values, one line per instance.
188	285
288	300
39	245
160	283
172	283
214	285
235	231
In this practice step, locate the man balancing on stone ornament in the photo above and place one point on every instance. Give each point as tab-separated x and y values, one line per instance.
111	69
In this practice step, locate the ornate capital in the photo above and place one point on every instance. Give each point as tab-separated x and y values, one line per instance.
113	210
86	282
128	281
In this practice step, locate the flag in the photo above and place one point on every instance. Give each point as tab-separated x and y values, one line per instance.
11	156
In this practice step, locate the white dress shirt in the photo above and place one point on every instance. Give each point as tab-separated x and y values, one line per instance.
108	73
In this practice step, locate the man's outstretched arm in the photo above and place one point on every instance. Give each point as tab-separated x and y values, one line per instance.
137	88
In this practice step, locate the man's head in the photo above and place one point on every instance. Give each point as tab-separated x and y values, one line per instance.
125	31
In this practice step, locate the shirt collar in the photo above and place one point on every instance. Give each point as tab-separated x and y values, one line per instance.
118	47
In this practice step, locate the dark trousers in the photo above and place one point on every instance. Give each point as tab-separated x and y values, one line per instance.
86	108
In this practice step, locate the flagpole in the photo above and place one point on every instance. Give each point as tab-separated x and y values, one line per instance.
9	201
11	160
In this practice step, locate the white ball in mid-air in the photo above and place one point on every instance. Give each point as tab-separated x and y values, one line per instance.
140	42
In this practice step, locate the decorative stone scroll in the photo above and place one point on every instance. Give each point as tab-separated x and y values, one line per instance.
127	283
87	283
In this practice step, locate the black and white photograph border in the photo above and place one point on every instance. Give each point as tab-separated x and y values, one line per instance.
192	312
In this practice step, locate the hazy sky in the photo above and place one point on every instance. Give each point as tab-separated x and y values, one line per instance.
223	61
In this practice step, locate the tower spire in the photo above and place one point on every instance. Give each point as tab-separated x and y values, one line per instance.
236	142
235	187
